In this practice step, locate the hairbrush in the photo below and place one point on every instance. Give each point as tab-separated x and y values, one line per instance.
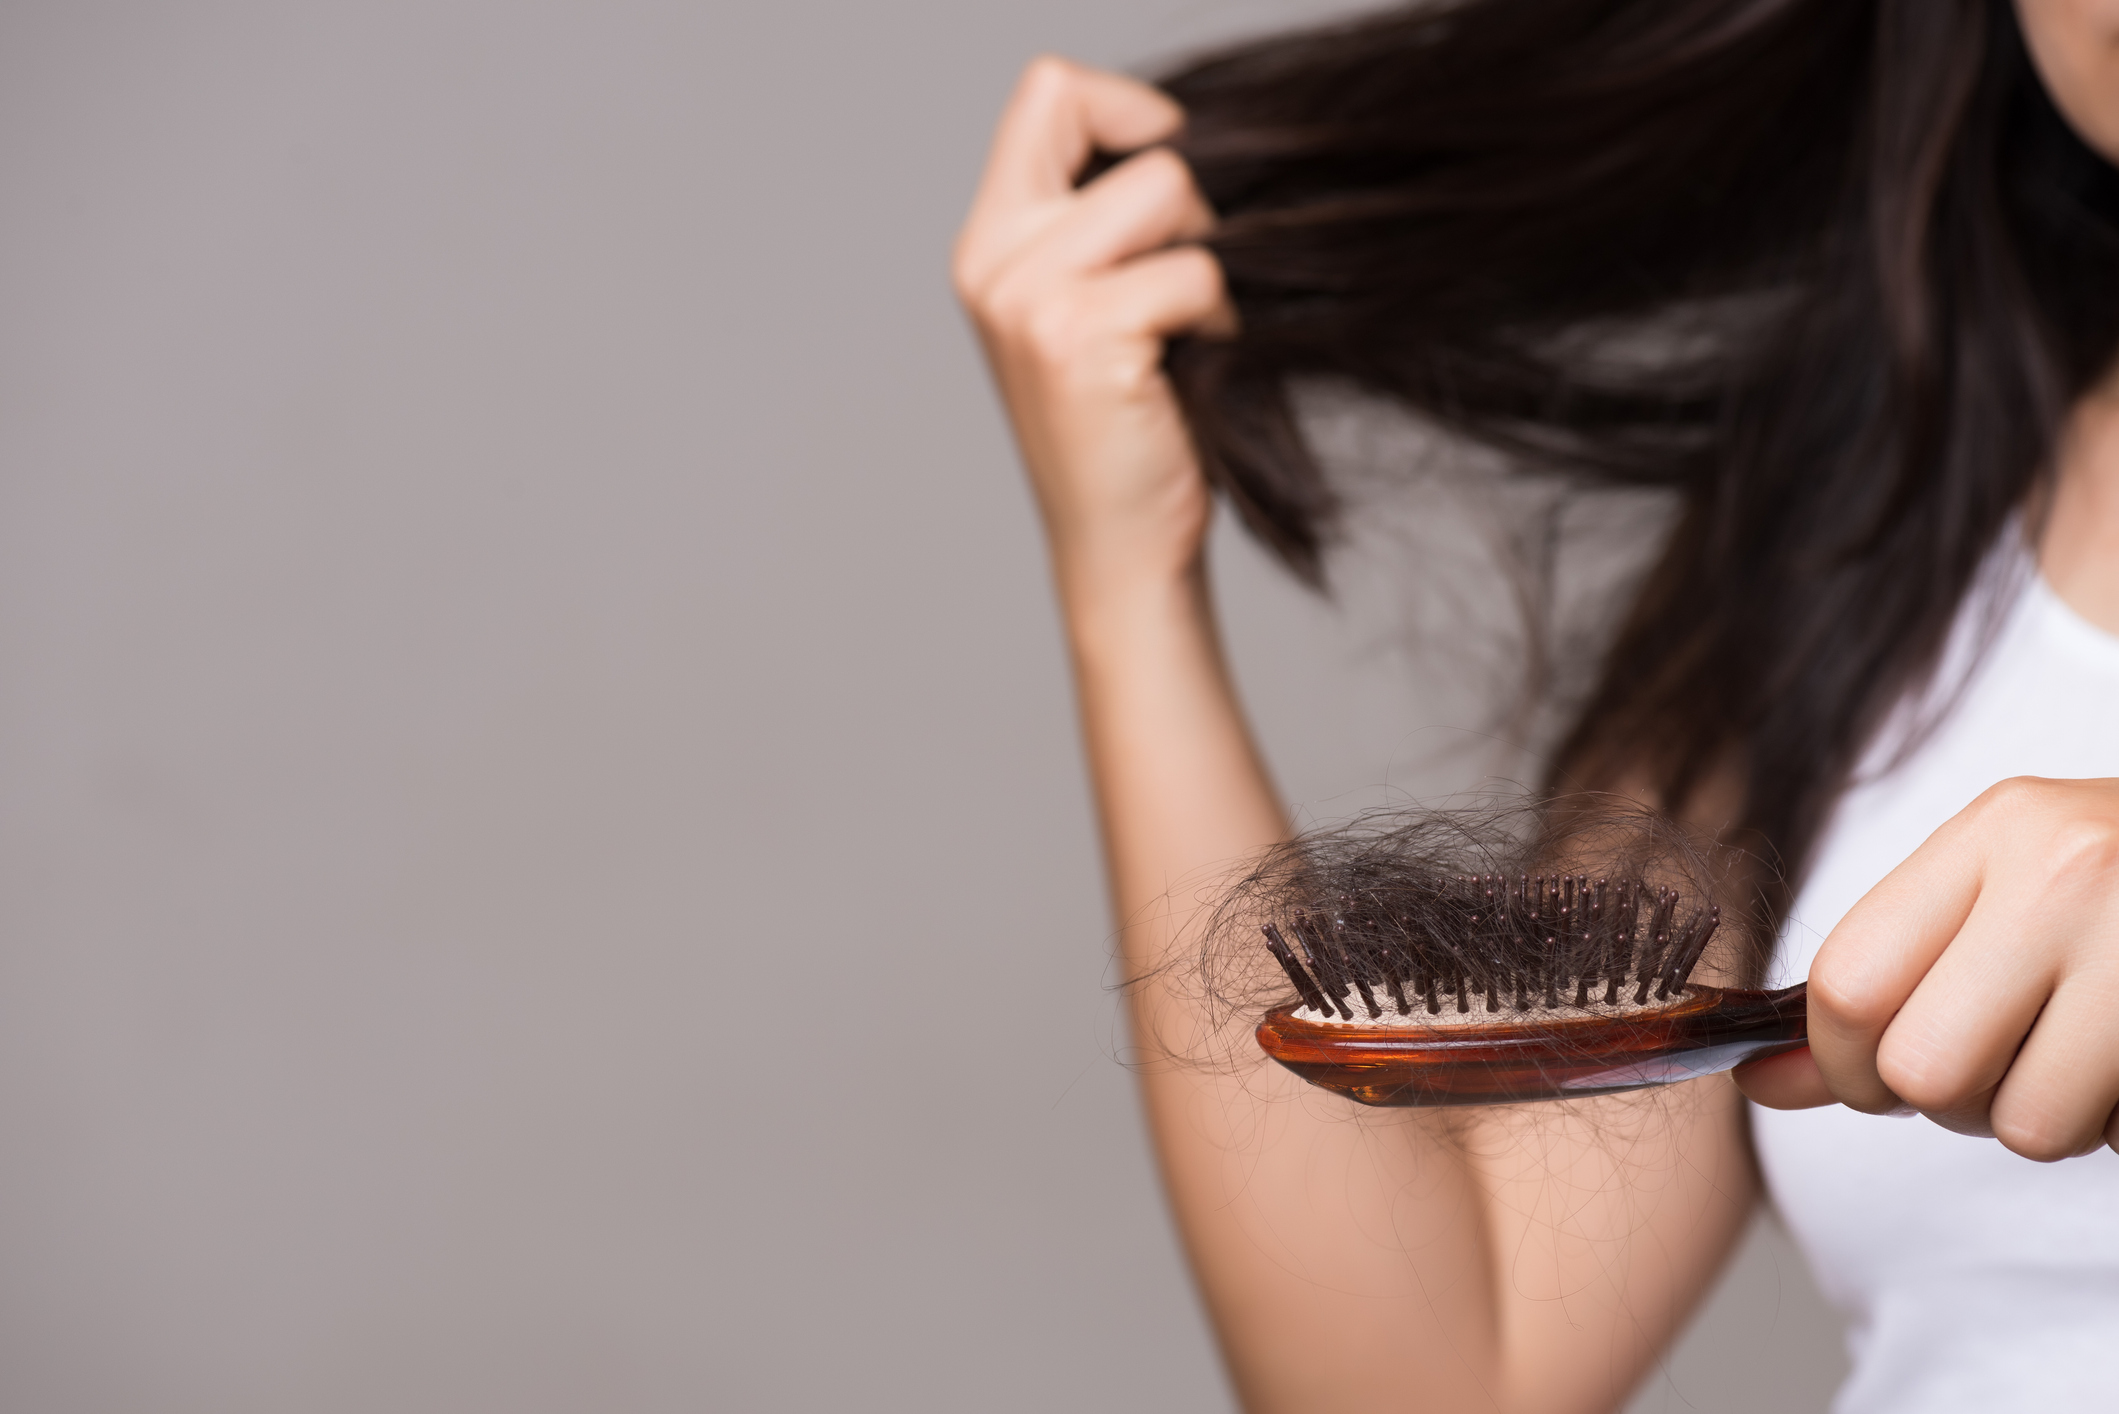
1489	989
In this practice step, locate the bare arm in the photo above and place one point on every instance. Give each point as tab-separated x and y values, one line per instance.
1526	1259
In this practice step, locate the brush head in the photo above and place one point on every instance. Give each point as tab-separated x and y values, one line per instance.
1440	958
1482	949
1531	907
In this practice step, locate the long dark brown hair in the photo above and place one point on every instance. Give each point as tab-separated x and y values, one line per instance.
1832	270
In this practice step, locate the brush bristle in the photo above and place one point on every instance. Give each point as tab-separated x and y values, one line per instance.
1526	944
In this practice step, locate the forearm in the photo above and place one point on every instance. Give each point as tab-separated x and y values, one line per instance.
1183	795
1181	790
1285	1267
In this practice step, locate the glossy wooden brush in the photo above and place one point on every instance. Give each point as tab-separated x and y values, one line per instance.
1596	1001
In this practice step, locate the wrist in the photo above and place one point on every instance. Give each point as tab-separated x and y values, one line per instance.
1127	598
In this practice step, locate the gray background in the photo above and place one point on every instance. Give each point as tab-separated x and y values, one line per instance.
544	860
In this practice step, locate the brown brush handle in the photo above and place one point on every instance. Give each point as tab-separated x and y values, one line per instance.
1710	1031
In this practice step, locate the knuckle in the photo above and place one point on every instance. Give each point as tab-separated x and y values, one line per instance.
1200	266
967	277
2085	847
1918	1077
1052	332
1842	993
1047	73
1194	285
2008	801
1164	165
1132	373
987	310
1168	176
1003	306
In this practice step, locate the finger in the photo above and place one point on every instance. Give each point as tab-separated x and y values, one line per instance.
1176	291
1108	333
1144	203
1060	113
1789	1081
1959	1033
2058	1098
1871	963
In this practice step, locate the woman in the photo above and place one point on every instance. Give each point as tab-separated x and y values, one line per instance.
1843	275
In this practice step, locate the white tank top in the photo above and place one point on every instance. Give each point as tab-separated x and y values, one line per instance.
1973	1280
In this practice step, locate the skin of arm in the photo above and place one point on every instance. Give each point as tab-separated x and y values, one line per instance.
1528	1259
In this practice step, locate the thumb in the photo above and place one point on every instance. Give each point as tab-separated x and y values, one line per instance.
1788	1081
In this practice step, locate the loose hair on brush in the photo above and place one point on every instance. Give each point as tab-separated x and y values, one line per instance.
1830	270
1487	899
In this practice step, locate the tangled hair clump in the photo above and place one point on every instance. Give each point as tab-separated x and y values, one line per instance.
1577	901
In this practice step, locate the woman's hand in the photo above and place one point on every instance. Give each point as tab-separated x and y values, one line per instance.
1073	292
1979	982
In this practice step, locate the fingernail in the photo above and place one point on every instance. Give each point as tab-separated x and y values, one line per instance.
1902	1112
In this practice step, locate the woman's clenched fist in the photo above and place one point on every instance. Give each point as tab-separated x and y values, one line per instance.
1074	291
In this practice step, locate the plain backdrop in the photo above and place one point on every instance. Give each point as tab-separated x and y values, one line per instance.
543	860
